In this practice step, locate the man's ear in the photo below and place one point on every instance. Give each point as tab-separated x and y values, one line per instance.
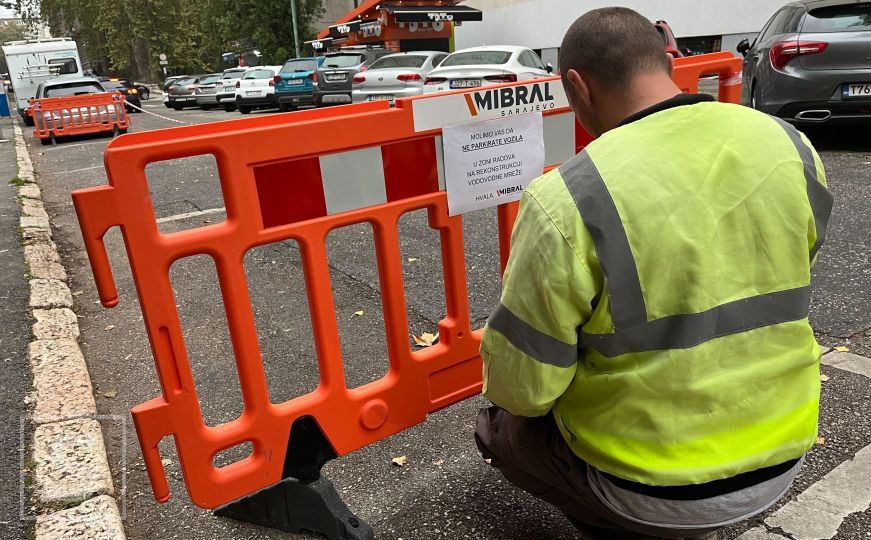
579	88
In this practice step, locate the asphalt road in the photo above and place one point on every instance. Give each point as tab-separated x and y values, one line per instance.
445	490
14	337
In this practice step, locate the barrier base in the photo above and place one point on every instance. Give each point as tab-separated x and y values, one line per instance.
293	506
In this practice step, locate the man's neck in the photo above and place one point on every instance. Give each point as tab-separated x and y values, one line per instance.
647	91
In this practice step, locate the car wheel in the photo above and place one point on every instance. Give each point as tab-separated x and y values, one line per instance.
45	142
229	107
244	110
167	105
28	120
177	107
284	107
146	93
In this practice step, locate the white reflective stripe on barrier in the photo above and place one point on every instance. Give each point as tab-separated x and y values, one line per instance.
353	180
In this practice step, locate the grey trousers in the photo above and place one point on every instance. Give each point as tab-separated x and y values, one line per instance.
532	454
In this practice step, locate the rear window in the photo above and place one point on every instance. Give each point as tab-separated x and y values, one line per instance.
209	80
232	75
847	18
73	89
182	82
65	66
116	85
662	35
404	61
343	60
476	58
259	74
299	65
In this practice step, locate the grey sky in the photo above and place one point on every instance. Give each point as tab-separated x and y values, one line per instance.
7	13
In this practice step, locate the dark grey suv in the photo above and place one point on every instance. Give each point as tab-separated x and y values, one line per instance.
337	72
812	63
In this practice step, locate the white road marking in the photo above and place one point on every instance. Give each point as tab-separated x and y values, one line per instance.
848	362
64	146
179	217
819	510
77	170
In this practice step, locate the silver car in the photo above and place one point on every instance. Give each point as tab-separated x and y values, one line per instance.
811	63
395	76
205	91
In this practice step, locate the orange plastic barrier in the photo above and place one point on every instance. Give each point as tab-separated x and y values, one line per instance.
78	115
275	175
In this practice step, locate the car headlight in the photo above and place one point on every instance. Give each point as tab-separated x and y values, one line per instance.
133	91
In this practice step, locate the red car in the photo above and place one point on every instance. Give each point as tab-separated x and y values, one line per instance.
668	39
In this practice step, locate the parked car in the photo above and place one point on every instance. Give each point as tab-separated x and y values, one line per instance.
298	80
180	93
811	63
486	66
127	88
225	88
338	70
205	91
395	76
144	90
73	86
169	81
256	89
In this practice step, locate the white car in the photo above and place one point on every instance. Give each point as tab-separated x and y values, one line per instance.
256	89
486	66
395	76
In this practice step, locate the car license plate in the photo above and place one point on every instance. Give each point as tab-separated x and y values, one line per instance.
252	93
466	83
857	90
295	82
381	97
336	77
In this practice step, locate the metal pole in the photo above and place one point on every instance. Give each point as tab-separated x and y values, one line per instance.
295	27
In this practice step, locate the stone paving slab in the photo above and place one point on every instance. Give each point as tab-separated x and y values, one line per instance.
43	261
60	377
55	324
96	519
70	464
50	293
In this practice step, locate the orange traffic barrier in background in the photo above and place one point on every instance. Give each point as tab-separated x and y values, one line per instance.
283	178
78	115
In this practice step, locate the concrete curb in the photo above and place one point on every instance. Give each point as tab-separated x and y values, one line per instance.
72	482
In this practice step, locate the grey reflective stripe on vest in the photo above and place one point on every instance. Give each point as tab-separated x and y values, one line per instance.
690	330
538	345
820	198
633	333
600	216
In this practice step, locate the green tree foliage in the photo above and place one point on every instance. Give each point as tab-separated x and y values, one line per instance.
126	37
10	31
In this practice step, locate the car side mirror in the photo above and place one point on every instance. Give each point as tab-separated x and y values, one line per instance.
549	67
743	47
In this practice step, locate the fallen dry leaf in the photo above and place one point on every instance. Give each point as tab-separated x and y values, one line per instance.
400	461
166	462
77	293
358	313
413	259
824	377
821	440
488	461
842	349
438	462
110	393
426	339
111	326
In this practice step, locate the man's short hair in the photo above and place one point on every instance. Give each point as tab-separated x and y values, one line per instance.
613	45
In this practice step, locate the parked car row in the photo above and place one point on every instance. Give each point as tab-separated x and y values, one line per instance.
354	74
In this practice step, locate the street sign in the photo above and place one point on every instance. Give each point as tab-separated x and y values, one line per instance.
163	62
162	57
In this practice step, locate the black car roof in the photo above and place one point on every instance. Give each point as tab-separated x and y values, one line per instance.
817	4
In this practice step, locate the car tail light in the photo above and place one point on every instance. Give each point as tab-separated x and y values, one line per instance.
271	82
435	80
507	77
364	68
783	52
409	77
314	76
276	79
238	84
359	79
191	88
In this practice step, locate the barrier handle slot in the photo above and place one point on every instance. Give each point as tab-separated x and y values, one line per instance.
96	212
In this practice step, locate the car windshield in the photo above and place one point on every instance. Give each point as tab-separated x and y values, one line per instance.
73	89
258	74
343	60
232	75
292	66
210	79
846	18
399	61
476	58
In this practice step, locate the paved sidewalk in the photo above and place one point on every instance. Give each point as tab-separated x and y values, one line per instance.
14	337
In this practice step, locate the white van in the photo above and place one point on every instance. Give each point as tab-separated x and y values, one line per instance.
34	61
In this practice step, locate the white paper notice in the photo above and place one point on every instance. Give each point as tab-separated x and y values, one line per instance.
491	163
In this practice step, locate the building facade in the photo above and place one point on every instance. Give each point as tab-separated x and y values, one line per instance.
701	25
